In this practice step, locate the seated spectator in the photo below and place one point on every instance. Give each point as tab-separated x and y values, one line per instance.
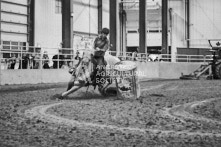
155	60
58	60
134	55
31	60
149	59
12	61
45	60
122	58
24	61
128	56
65	65
37	60
17	64
138	57
69	61
143	58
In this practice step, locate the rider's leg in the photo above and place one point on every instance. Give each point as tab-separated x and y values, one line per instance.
74	88
101	65
94	60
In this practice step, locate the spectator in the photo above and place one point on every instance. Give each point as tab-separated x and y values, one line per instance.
134	55
122	58
138	57
68	61
12	61
24	61
31	60
45	60
65	64
143	58
37	60
58	60
149	58
16	63
129	56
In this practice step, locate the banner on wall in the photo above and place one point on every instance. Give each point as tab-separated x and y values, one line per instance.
82	42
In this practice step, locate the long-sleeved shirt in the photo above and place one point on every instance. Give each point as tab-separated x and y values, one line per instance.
102	43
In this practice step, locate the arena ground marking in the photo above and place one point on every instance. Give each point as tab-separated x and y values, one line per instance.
40	112
180	111
153	87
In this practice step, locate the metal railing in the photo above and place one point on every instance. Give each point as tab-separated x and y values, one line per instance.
29	57
37	58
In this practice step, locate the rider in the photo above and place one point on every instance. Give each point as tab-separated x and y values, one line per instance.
101	45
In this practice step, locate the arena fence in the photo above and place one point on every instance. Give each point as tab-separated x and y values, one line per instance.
31	57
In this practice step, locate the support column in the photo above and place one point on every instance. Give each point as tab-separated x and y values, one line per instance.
31	20
142	26
67	24
1	54
187	2
99	16
122	29
164	27
0	26
173	36
113	24
124	46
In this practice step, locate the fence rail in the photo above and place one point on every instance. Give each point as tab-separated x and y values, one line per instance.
31	57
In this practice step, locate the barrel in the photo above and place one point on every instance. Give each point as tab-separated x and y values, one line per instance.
127	81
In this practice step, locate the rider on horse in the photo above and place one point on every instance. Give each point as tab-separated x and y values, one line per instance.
81	76
101	45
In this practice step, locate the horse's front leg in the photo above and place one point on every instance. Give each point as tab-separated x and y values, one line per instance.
74	88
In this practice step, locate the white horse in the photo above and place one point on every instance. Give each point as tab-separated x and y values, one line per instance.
82	71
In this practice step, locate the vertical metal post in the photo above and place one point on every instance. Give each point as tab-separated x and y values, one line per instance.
124	33
100	14
142	26
122	29
21	58
113	23
58	59
187	5
0	22
164	27
31	22
0	60
41	61
67	24
0	47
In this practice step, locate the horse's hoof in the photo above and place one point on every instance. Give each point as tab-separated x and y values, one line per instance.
102	91
56	96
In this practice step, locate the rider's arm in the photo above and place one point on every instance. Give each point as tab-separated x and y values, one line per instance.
105	47
95	43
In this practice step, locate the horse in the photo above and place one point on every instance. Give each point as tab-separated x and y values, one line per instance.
105	80
81	73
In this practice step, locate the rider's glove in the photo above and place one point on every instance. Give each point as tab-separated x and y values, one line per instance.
71	70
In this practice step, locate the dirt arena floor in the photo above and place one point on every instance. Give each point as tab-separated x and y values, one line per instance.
169	113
